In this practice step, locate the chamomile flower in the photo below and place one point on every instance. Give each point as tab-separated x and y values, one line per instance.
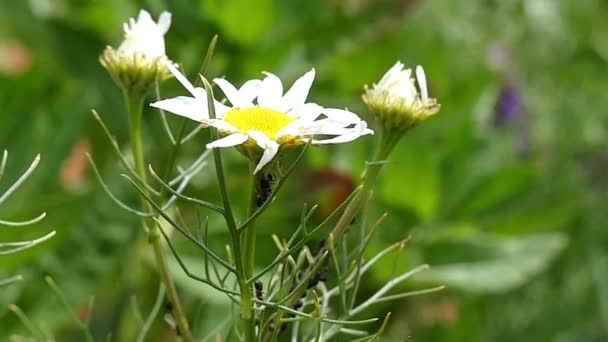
398	101
140	58
264	122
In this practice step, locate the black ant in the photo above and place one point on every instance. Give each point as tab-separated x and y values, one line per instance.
264	189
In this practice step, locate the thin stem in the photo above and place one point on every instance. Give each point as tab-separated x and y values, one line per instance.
21	178
86	331
135	104
246	290
150	319
248	243
10	280
37	333
174	152
249	234
387	287
386	145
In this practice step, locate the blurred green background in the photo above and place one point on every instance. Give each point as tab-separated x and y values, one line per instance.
503	192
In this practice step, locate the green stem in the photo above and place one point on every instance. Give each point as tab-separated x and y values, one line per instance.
248	243
246	290
135	104
388	140
249	234
368	180
247	312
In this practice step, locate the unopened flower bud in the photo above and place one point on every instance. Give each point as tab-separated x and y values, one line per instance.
140	59
398	101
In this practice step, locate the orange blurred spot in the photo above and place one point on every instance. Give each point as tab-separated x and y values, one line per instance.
74	168
444	312
15	58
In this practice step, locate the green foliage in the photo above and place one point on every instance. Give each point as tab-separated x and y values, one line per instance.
510	217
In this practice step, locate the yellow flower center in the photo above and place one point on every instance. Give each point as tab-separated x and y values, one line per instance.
267	121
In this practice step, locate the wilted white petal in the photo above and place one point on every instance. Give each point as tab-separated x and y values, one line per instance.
189	107
269	146
232	94
306	112
319	127
228	141
295	128
354	133
305	116
297	94
341	115
327	127
271	92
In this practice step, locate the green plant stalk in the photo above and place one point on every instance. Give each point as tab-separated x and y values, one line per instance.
249	234
246	290
248	244
388	141
135	102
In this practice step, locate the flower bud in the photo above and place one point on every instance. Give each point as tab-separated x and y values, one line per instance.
396	102
139	60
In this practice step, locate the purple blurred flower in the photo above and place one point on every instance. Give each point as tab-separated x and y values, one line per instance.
509	107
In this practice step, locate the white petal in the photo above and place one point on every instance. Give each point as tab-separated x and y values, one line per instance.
297	94
232	94
220	108
181	78
144	36
189	107
422	83
249	90
271	92
144	17
269	146
341	115
305	116
295	128
164	22
356	132
307	112
222	125
228	141
391	73
319	127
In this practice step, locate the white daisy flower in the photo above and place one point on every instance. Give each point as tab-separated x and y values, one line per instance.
139	60
397	100
264	119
